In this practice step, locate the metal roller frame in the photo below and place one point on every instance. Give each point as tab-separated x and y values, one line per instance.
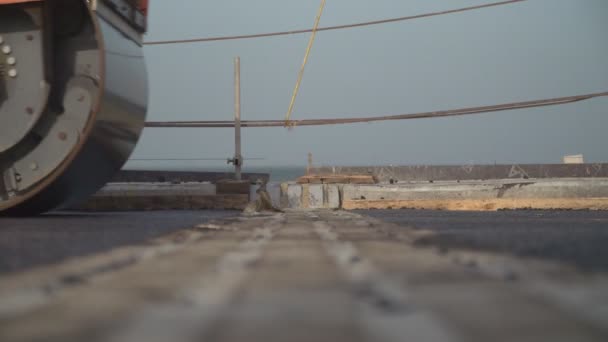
73	99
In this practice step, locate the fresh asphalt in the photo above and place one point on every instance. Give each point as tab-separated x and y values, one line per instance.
579	238
47	239
576	237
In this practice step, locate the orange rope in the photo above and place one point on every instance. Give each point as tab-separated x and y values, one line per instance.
301	74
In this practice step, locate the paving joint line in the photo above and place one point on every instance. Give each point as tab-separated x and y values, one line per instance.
387	309
200	305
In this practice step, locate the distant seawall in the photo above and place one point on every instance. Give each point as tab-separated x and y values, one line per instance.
457	187
417	173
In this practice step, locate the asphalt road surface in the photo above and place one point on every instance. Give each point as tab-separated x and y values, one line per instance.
576	237
310	276
30	242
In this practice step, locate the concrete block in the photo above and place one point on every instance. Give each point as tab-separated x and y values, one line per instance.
274	190
284	198
425	191
558	188
332	197
315	196
294	196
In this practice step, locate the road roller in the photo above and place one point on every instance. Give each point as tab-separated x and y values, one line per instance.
73	98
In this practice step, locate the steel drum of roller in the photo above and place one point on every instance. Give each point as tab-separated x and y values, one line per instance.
73	99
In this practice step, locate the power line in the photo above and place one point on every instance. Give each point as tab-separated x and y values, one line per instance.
331	28
424	115
187	159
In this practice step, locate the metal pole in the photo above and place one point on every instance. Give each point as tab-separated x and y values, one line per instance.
238	158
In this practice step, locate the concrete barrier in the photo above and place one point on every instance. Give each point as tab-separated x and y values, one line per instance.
164	196
311	196
562	193
541	188
164	202
143	189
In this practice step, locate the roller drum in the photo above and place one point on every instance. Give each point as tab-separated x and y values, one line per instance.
73	101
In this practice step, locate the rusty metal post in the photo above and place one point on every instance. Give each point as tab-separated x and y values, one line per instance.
238	158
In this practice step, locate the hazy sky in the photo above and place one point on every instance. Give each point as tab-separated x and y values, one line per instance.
532	50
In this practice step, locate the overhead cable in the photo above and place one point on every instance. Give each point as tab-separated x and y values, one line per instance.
331	28
186	159
424	115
